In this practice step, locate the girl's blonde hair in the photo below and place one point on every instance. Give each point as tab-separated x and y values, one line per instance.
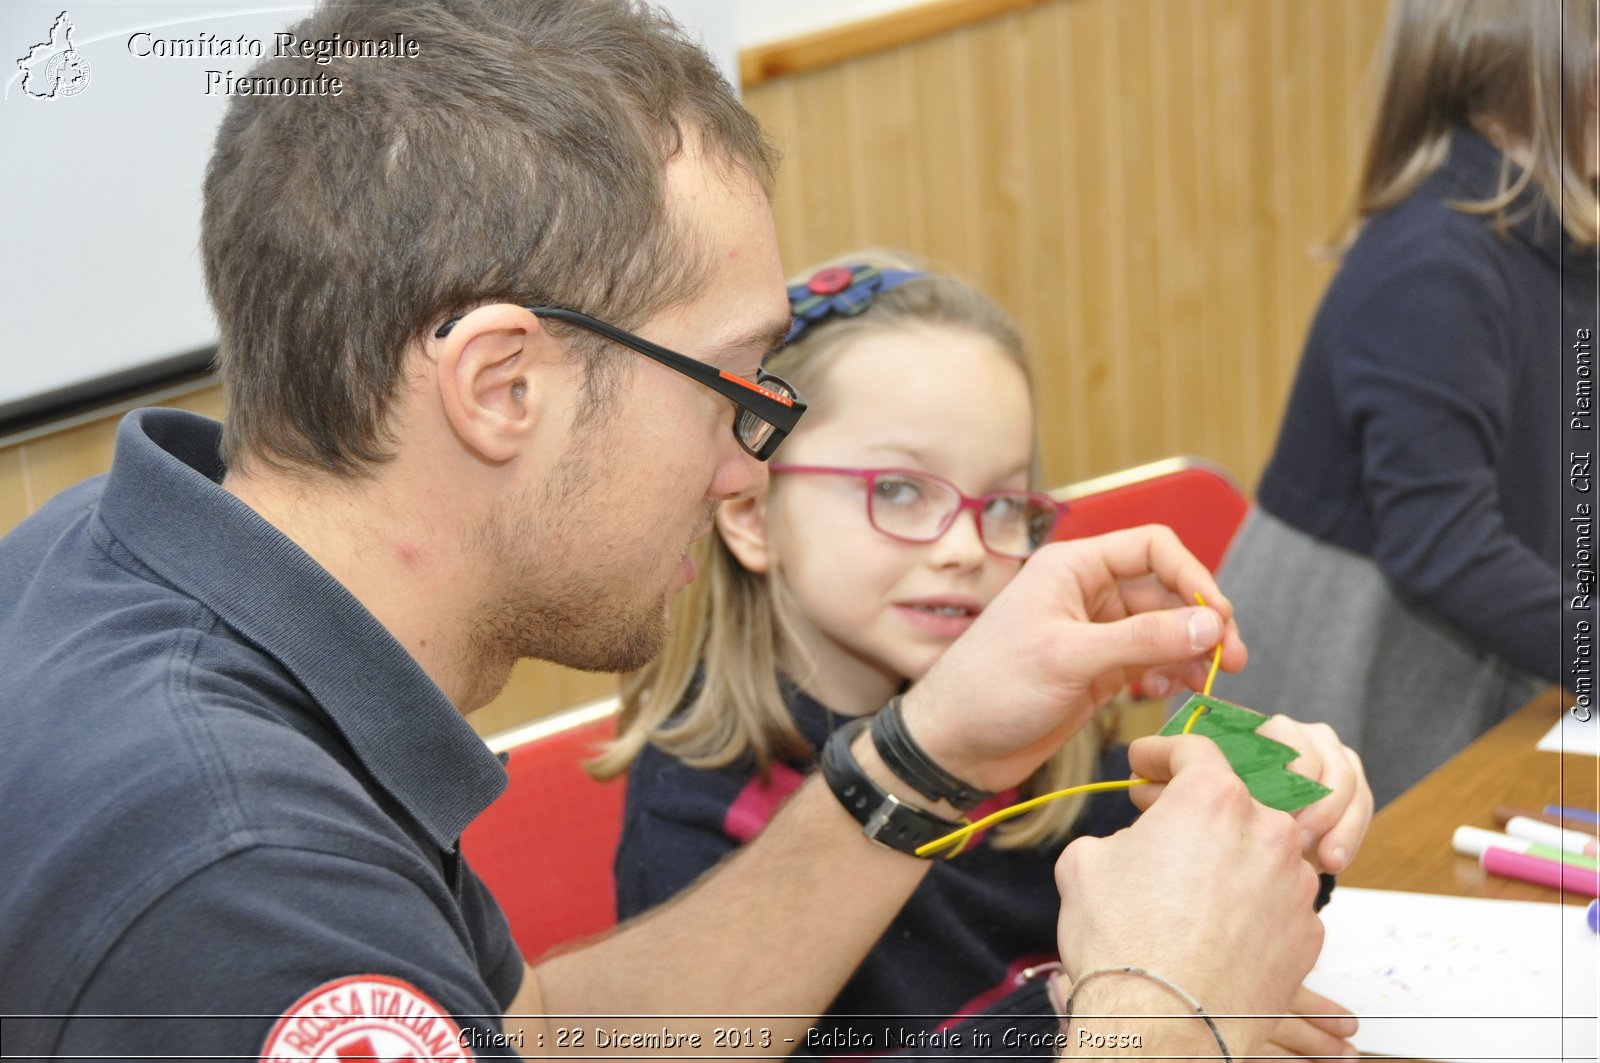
732	629
1521	72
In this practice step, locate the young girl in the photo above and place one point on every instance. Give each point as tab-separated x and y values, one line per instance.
1415	492
894	516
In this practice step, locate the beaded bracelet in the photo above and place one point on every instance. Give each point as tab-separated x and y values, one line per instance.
1065	1007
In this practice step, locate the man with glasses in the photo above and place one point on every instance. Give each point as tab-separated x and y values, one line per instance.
233	672
768	407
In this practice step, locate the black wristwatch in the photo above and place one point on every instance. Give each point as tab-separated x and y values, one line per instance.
884	818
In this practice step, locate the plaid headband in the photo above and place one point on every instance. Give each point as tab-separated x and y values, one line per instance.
842	290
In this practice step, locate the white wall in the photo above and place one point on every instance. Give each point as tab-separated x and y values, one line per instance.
99	192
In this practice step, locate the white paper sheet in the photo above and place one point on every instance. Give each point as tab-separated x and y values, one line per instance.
1578	736
1462	979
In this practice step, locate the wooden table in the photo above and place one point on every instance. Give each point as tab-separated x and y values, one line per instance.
1408	844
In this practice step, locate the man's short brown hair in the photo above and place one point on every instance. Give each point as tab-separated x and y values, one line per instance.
518	157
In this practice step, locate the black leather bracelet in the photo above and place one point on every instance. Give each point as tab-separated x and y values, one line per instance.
885	818
911	763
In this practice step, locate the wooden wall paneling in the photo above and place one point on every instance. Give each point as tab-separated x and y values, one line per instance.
763	63
538	688
1127	237
14	502
55	462
1308	183
1137	363
1314	86
942	119
885	174
1259	368
774	106
1234	343
1231	342
1177	291
822	168
994	150
1098	254
1049	298
575	687
207	403
1288	330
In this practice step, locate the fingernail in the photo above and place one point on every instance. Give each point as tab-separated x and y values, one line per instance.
1340	858
1347	1027
1157	686
1205	628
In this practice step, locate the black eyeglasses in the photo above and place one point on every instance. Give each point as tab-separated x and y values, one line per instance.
769	408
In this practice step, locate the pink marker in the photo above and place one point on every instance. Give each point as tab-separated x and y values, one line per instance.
1541	872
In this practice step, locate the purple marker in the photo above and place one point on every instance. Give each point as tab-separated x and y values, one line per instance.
1572	813
1594	915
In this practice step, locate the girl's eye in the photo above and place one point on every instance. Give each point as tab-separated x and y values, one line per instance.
1005	507
898	491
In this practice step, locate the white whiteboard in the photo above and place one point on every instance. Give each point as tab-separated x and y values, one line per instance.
100	187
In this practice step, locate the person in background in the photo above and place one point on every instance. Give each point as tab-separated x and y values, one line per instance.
898	512
1401	574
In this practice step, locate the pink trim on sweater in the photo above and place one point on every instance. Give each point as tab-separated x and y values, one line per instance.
758	802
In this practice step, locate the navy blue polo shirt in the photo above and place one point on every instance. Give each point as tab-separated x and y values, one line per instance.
225	787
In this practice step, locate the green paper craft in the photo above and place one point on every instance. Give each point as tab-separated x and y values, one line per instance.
1256	759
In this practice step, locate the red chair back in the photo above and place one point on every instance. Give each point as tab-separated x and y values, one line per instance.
545	847
1195	498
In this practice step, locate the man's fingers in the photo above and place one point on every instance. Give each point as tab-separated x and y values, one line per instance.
1146	794
1160	759
1295	1037
1326	1013
1319	1028
1134	553
1153	640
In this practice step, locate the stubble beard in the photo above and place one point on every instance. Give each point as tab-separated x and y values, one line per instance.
558	607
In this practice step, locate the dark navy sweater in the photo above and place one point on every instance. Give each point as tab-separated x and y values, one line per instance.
1425	427
960	944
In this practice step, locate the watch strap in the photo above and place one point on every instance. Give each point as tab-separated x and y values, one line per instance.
884	818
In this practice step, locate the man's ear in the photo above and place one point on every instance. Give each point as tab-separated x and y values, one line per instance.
495	376
742	523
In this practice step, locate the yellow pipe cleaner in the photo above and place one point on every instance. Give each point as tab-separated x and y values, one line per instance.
956	841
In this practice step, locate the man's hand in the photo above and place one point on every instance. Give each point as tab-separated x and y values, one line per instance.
1316	1028
1206	889
1331	829
1080	621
